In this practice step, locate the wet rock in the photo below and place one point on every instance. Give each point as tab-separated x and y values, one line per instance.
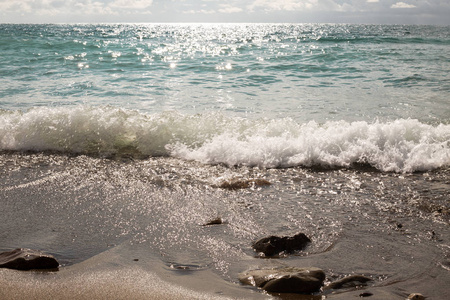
244	184
273	245
285	280
179	267
27	259
216	221
349	282
416	296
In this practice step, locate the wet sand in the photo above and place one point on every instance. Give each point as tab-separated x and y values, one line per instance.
114	275
133	229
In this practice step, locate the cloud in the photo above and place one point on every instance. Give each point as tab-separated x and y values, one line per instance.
75	7
228	9
287	5
86	7
326	11
306	5
402	5
200	11
131	4
210	7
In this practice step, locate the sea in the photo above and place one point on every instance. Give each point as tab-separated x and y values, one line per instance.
119	142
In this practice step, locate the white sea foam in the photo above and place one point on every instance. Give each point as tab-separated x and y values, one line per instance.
404	145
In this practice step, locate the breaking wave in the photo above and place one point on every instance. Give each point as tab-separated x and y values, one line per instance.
403	145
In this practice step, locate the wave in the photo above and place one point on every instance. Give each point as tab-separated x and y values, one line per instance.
403	145
382	40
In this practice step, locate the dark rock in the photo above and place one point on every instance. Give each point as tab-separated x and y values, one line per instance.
216	221
416	296
27	259
273	245
285	280
244	184
365	294
349	281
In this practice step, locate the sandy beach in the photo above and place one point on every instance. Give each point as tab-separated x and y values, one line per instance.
124	229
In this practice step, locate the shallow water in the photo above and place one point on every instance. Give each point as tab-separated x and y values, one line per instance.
391	227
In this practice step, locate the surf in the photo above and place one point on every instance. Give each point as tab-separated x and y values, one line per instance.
402	145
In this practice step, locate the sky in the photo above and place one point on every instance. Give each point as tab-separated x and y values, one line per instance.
226	11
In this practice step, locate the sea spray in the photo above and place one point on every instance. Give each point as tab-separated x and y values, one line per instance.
400	146
404	145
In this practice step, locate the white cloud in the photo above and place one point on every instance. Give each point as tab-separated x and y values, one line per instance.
288	5
75	7
402	5
304	5
20	6
226	8
86	7
339	11
132	4
201	11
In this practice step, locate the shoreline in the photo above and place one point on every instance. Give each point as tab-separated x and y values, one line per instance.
113	274
136	228
75	283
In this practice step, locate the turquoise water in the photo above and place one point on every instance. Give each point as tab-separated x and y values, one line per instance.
331	95
307	72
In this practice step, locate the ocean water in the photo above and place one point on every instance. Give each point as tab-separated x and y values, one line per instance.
116	138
